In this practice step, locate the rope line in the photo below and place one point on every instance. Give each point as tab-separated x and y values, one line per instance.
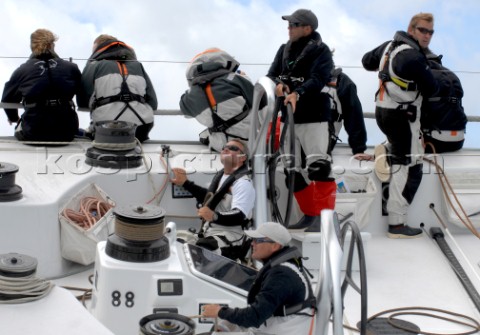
92	209
475	325
446	186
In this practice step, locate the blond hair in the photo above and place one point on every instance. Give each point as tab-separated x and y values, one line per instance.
42	41
420	16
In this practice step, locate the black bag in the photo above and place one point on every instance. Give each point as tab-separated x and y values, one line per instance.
444	110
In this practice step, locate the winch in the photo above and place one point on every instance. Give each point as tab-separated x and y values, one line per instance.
166	323
9	191
114	146
139	234
142	270
14	265
18	283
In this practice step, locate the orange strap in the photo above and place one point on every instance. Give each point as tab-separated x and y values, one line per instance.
310	332
210	97
122	68
112	44
381	92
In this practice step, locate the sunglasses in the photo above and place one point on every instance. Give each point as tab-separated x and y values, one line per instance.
262	240
425	31
295	25
232	148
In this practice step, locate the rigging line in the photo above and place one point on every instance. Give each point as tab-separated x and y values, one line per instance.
188	62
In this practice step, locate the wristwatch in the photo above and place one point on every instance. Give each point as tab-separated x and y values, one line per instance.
298	95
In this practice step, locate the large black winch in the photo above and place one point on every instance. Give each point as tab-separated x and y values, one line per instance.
8	190
114	146
139	234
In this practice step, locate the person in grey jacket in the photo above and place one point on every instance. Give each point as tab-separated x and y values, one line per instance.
115	86
219	96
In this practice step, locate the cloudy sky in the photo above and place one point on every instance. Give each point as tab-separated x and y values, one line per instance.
167	34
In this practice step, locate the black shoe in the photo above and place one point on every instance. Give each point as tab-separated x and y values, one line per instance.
403	231
306	221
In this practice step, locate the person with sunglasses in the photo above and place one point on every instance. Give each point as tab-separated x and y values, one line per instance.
301	69
405	81
281	299
226	206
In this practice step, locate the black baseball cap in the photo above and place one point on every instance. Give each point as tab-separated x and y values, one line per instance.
303	16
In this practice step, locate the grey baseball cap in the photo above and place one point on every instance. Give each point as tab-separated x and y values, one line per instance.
303	16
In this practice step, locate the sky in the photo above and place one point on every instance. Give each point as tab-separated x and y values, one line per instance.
167	34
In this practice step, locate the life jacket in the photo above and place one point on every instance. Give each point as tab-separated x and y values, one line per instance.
443	116
396	92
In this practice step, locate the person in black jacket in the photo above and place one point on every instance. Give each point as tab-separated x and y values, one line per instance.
45	85
406	79
347	111
281	299
301	69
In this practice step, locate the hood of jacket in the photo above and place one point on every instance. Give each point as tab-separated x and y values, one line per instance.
210	64
115	50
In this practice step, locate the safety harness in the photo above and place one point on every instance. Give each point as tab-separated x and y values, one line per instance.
125	95
286	77
214	196
220	125
406	85
384	73
331	90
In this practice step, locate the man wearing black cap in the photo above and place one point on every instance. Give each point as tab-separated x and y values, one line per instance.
301	68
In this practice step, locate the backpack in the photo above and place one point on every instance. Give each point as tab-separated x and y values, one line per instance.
443	110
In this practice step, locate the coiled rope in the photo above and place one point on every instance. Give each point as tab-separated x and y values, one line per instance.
475	325
92	209
135	232
14	290
115	146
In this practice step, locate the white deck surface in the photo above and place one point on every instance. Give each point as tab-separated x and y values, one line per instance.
400	273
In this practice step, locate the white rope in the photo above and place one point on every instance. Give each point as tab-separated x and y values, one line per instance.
23	289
